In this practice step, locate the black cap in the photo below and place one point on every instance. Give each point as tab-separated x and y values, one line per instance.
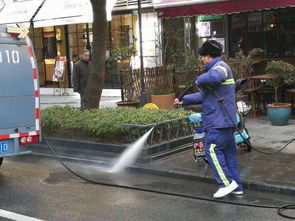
211	48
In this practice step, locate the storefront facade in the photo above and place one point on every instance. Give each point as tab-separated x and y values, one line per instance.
239	26
58	41
265	27
68	40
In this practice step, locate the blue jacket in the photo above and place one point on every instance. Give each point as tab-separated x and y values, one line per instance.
219	76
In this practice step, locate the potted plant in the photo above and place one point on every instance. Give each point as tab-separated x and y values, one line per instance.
162	92
282	73
164	99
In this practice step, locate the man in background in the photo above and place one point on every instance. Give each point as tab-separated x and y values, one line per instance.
81	74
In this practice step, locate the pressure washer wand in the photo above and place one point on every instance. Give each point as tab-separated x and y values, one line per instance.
185	91
172	106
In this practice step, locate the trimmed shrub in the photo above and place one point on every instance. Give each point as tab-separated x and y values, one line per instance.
100	125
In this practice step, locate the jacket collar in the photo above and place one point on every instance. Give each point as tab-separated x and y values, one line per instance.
86	62
208	66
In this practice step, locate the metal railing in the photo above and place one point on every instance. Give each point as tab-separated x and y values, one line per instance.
164	131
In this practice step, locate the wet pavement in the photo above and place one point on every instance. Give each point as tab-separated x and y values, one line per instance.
269	172
40	187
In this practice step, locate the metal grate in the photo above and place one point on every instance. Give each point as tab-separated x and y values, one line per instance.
165	130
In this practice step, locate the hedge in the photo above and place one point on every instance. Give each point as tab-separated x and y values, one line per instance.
99	125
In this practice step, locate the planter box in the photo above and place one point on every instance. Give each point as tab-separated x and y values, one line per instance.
71	148
128	104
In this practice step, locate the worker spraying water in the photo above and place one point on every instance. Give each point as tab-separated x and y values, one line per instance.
219	121
220	147
130	154
220	144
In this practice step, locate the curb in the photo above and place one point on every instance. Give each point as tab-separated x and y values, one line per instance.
149	153
247	185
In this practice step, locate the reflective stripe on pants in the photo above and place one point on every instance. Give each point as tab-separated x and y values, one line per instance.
220	149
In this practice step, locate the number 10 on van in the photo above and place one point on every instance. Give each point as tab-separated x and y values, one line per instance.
4	147
9	56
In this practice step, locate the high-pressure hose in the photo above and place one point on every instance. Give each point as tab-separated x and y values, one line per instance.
279	208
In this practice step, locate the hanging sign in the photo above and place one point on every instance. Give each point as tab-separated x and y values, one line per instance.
204	29
21	30
208	17
59	69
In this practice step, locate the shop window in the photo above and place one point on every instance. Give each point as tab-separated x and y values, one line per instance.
217	28
270	17
254	29
287	15
287	32
77	37
172	43
254	22
271	30
50	50
122	30
238	27
271	33
37	39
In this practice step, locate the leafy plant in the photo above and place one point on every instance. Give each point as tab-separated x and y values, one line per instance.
120	58
167	43
190	70
130	83
161	79
100	125
162	92
282	72
241	65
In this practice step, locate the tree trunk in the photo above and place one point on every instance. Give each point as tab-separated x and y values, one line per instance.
276	94
96	77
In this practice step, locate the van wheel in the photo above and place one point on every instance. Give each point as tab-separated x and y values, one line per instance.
1	161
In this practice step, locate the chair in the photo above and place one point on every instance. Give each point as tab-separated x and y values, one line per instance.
290	98
254	99
266	96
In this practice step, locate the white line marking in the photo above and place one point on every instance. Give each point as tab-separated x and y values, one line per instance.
17	217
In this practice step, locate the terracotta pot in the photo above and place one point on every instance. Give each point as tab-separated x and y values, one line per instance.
164	101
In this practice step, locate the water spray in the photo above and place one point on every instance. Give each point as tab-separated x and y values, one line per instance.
129	155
